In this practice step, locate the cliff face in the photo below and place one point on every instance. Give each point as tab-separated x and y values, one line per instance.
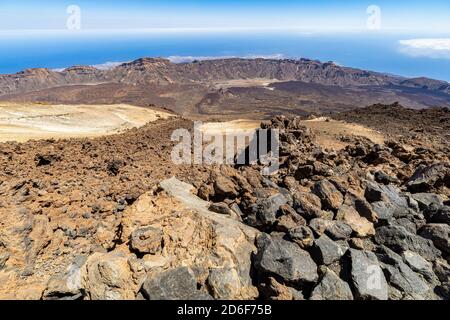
163	72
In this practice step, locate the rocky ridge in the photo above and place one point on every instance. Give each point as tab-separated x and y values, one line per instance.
369	221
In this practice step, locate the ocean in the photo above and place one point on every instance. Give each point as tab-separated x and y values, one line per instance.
370	51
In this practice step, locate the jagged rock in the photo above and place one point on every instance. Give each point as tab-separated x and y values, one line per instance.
367	276
264	211
223	208
331	287
399	239
425	200
338	230
331	198
174	284
112	276
66	286
4	255
419	264
47	159
274	290
382	177
304	172
362	206
225	187
319	226
147	240
443	290
308	205
195	237
303	236
442	270
325	251
400	276
425	178
284	259
438	214
387	202
360	225
439	234
290	219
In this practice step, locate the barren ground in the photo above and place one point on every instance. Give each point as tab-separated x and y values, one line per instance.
26	121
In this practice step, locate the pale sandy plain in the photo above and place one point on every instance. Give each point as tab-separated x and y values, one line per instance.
30	121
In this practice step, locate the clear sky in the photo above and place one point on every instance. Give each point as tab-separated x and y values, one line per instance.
340	15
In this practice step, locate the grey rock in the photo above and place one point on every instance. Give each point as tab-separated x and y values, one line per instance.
285	259
325	251
221	208
425	200
67	285
382	177
331	287
439	234
387	201
338	230
443	290
265	210
427	177
399	239
419	264
438	214
442	270
174	284
401	277
224	283
331	198
367	276
303	236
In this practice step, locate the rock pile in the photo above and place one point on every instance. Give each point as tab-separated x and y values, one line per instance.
367	222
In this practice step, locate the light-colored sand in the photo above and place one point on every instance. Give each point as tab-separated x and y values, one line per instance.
22	122
245	83
328	131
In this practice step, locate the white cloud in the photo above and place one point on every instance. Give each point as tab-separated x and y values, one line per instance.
433	48
184	59
107	65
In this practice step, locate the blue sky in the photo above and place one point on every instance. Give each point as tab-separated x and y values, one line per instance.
349	15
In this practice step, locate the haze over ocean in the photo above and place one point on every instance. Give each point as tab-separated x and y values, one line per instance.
413	38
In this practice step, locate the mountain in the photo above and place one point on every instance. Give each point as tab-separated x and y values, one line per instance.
306	86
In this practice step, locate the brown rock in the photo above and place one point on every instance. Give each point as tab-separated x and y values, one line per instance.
331	197
360	225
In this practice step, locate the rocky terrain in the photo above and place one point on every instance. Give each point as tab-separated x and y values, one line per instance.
234	88
113	218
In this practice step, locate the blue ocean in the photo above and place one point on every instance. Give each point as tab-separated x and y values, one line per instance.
376	52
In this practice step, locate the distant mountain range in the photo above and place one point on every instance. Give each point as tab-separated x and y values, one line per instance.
167	83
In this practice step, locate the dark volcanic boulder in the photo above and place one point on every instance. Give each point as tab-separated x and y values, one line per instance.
401	277
367	276
175	284
438	233
428	177
325	251
285	260
438	214
331	287
399	239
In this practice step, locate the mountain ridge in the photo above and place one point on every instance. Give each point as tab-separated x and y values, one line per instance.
162	71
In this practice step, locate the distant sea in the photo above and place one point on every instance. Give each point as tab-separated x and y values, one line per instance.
376	52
